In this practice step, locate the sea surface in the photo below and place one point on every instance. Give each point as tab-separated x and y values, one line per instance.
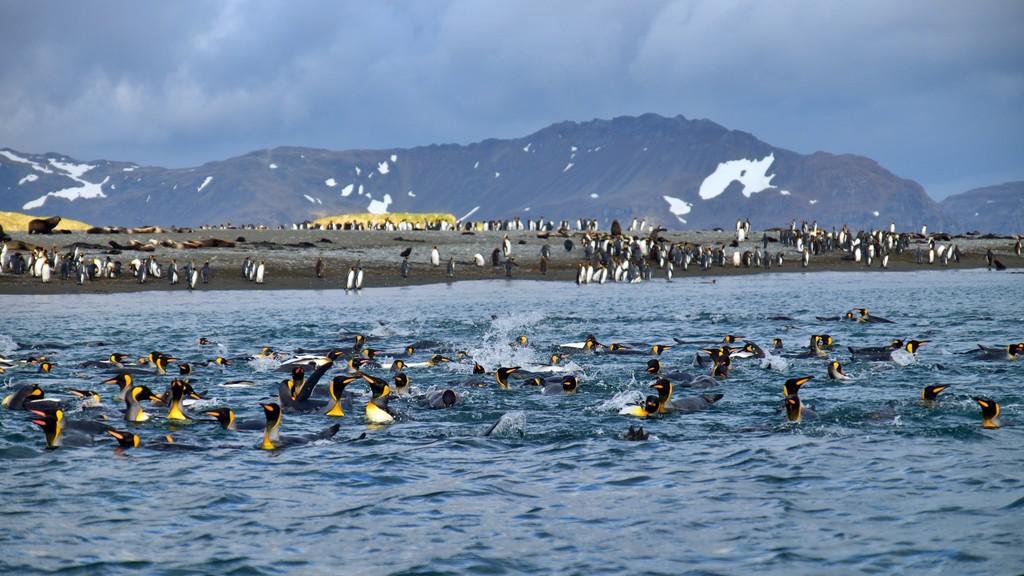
877	484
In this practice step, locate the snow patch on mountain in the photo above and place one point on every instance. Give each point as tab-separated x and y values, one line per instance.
379	206
568	167
468	214
394	158
347	190
383	167
15	158
85	191
678	208
206	182
74	171
753	174
28	178
331	182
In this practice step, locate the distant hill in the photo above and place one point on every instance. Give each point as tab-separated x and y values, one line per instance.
990	209
673	171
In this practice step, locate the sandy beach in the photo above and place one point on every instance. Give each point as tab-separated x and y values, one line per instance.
291	255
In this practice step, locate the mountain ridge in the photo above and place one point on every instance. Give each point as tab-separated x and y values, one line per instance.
672	171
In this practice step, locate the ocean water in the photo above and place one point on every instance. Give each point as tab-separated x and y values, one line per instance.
877	484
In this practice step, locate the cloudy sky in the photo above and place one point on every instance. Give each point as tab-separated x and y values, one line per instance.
933	90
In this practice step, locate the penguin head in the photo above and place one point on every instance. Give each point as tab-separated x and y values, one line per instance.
989	411
449	398
225	416
793	408
653	366
535	381
657	349
177	390
52	424
184	368
555	358
438	359
591	341
139	393
849	316
124	439
896	344
401	382
729	338
777	343
502	374
664	388
792	386
123	380
651	404
478	369
357	363
272	411
379	388
360	340
334	355
398	365
410	350
118	358
569	384
45	367
914	345
1013	350
204	341
522	340
85	395
932	392
338	385
222	361
838	368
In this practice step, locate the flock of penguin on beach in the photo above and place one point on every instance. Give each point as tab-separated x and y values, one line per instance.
614	256
300	392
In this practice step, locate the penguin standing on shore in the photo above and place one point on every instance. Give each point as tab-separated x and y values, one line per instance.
260	271
350	281
506	247
404	268
320	267
172	272
435	257
451	268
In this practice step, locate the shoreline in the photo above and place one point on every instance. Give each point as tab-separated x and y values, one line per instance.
290	257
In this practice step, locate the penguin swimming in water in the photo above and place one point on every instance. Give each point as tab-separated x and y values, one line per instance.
796	410
929	394
272	439
53	425
438	399
566	386
835	371
648	408
877	353
866	317
637	434
226	418
336	390
24	398
1010	352
133	409
685	405
174	411
989	412
792	386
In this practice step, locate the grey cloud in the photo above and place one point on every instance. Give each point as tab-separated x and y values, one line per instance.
932	90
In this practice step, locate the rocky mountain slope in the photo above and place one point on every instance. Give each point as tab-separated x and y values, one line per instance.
672	171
